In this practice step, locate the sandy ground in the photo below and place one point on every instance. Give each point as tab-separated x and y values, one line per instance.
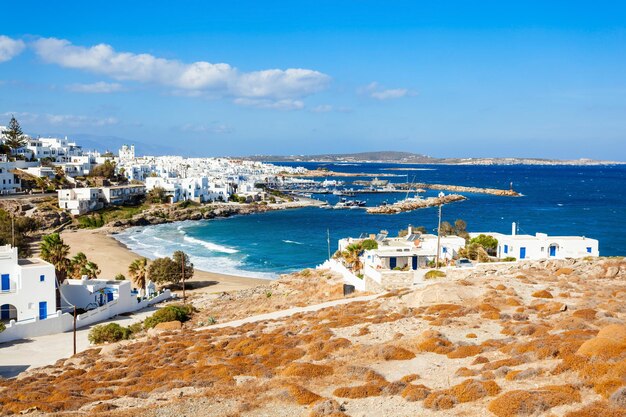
113	258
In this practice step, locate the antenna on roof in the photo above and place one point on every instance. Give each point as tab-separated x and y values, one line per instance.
328	241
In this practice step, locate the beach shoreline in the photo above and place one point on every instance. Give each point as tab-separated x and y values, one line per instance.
113	257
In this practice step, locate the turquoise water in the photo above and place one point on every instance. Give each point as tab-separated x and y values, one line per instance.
587	201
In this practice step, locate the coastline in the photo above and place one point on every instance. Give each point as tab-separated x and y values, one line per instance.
113	257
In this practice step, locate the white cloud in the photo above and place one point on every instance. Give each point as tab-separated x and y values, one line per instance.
322	108
99	87
215	127
273	85
374	90
10	48
70	120
284	104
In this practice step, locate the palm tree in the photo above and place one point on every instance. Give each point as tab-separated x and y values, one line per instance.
352	257
138	270
80	265
55	251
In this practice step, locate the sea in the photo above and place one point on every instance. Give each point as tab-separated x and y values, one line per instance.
557	200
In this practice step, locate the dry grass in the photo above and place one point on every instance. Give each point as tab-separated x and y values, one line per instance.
361	391
542	294
532	402
415	392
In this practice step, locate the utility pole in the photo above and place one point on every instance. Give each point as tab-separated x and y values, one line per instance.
328	241
183	270
439	232
74	330
13	230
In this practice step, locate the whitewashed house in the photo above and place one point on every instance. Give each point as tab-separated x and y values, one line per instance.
122	194
542	246
27	287
88	294
399	261
80	200
9	182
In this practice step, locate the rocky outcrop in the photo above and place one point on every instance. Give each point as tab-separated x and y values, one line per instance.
168	214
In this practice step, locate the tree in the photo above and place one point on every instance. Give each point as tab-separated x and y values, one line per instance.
488	242
179	257
105	170
81	266
138	271
369	244
120	277
163	271
14	229
352	257
157	195
55	251
446	229
474	251
14	136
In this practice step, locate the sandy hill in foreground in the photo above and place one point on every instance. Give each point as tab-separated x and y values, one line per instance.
539	338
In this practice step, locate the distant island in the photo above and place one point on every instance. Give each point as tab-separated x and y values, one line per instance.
414	158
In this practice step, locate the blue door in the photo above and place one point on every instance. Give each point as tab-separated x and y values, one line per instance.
6	283
552	250
506	248
5	312
109	296
522	253
43	310
414	262
392	263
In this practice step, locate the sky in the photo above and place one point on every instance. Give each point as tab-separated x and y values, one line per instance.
208	78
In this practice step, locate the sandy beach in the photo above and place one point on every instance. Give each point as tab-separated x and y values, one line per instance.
113	258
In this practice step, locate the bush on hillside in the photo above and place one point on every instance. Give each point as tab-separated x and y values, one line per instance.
3	327
170	313
434	274
109	333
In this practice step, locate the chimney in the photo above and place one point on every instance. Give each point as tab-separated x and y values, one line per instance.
514	229
410	230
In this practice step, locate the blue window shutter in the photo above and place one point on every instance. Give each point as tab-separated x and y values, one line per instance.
42	278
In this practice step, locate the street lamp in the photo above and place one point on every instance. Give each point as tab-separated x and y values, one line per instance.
441	195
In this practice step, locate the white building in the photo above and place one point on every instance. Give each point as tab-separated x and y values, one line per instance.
80	200
542	246
400	261
88	294
126	153
122	194
9	182
27	290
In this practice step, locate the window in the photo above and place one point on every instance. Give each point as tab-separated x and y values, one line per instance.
542	249
42	278
589	250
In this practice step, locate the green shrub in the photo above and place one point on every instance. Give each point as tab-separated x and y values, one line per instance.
120	277
170	313
509	259
111	332
434	274
3	327
369	244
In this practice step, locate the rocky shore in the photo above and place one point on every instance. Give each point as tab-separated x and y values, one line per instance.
403	206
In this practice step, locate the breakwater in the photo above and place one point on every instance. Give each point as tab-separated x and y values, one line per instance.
411	205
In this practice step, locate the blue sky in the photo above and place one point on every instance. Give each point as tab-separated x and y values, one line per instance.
236	78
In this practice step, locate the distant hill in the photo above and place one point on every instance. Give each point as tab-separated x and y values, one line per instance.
414	158
104	143
383	156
